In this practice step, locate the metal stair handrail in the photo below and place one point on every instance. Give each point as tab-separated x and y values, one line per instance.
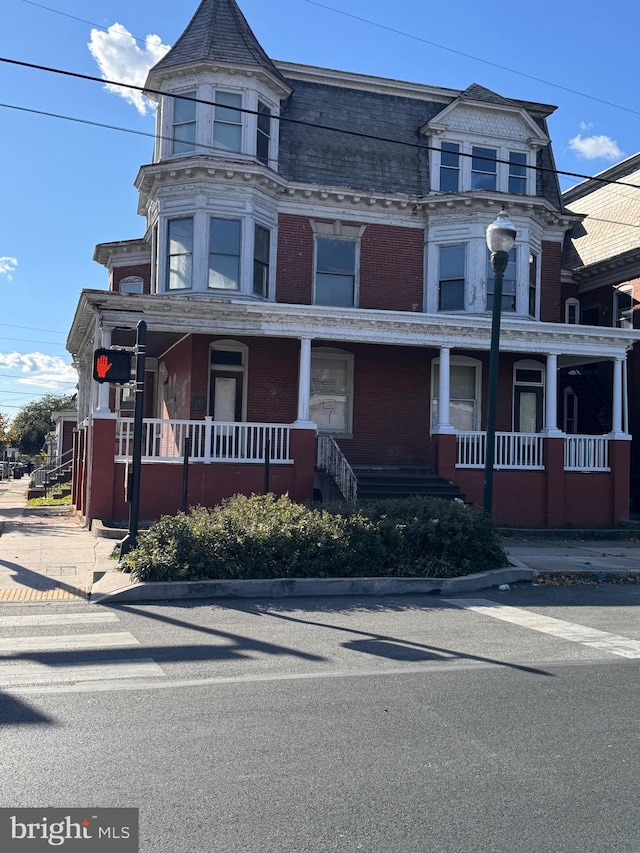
42	475
332	460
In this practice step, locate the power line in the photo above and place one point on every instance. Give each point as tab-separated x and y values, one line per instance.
29	341
33	328
302	122
30	376
470	56
29	394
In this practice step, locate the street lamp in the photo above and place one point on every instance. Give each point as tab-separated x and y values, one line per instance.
501	235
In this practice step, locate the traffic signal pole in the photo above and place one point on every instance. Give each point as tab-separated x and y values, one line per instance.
131	539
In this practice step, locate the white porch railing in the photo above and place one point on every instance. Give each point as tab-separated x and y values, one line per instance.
514	450
333	460
208	441
586	453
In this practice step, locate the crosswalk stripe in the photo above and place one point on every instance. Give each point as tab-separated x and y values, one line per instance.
12	675
70	641
571	631
46	619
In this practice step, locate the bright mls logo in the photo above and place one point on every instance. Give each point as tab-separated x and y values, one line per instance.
82	830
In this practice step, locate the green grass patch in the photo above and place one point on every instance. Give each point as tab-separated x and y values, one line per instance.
52	501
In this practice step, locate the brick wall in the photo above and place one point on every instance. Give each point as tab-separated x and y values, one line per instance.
141	270
551	303
295	260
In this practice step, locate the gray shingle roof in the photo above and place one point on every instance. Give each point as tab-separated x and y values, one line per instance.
218	32
475	92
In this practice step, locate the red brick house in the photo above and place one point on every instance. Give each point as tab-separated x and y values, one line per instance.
602	288
314	271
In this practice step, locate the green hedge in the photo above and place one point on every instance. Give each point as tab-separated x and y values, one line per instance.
264	536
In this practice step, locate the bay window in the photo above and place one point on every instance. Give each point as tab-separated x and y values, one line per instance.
179	253
509	282
451	279
263	133
227	121
261	253
224	254
184	124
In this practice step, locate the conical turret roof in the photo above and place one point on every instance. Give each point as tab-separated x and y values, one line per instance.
218	32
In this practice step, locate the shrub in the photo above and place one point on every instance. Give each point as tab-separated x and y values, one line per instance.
264	536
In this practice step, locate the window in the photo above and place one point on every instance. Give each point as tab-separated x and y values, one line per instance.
131	284
184	124
572	311
335	272
331	391
570	411
464	393
533	283
451	278
261	261
483	168
179	254
591	316
623	307
508	282
517	173
449	167
224	254
528	389
263	133
227	122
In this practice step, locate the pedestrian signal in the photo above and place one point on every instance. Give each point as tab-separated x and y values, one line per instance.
111	365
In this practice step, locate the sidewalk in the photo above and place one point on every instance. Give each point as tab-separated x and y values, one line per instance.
45	555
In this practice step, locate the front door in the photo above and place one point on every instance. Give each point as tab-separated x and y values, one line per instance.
226	396
528	409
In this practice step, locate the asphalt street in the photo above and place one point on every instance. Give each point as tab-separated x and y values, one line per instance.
503	722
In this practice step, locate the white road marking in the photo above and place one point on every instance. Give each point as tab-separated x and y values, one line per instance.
571	631
46	619
71	641
12	675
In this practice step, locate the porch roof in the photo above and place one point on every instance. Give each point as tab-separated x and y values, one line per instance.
207	315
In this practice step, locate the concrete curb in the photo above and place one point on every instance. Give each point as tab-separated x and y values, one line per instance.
297	587
100	531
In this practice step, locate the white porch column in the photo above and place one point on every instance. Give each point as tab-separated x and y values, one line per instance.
103	388
551	396
444	391
616	411
304	384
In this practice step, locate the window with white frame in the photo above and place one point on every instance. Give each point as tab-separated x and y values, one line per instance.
517	173
623	306
184	123
331	399
451	278
509	282
261	255
131	284
224	254
459	166
449	167
227	121
179	265
335	271
484	168
263	133
464	392
572	311
533	284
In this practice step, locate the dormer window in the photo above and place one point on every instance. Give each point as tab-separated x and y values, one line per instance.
131	284
227	122
184	124
517	173
450	167
483	168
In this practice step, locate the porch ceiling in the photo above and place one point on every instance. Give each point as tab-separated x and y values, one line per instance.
174	315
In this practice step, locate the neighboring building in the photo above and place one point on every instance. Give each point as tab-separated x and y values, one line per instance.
59	443
603	289
314	271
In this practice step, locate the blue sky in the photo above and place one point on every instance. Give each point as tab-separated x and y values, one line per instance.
66	186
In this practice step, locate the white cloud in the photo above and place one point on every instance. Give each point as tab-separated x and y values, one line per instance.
7	266
596	147
586	125
37	369
119	58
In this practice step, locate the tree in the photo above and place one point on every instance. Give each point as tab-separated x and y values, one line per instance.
32	424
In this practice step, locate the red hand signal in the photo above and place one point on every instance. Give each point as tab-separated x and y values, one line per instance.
103	366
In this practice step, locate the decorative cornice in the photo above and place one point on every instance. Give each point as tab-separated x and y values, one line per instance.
203	314
134	251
